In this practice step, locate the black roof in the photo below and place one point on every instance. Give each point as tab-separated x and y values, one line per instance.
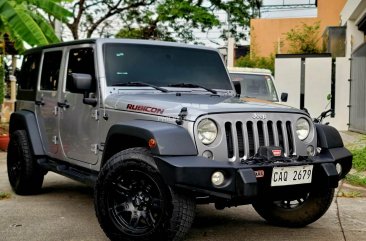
61	44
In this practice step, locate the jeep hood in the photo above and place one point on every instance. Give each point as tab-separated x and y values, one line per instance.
170	104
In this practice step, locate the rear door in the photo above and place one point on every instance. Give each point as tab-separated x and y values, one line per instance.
46	100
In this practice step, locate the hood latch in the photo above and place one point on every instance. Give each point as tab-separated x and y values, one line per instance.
183	113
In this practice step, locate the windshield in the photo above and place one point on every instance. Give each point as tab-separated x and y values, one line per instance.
255	86
164	65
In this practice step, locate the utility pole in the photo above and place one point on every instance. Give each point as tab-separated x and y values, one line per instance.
230	44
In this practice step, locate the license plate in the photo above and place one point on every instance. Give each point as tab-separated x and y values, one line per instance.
285	176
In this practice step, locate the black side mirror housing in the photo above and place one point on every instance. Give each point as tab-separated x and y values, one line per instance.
284	97
83	84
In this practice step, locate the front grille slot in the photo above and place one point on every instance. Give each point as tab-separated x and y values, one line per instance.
251	138
239	130
244	138
271	139
229	140
290	137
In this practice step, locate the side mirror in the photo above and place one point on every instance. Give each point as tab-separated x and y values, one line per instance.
83	84
284	97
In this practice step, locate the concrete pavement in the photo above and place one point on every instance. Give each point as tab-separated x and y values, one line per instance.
65	212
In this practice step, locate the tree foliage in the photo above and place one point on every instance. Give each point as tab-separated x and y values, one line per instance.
155	19
256	62
304	39
24	20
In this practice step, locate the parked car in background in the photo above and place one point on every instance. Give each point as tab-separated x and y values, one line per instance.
254	83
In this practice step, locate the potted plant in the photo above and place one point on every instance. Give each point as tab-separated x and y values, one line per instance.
4	136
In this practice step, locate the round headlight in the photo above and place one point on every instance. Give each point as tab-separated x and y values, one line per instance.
302	128
207	131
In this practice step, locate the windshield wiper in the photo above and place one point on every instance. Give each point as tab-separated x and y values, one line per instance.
141	84
186	85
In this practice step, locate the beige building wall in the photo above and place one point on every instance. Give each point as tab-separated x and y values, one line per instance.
266	34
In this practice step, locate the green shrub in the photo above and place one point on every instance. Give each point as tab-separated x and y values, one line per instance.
256	62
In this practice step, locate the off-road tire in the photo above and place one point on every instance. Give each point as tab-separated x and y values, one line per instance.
24	173
279	213
177	210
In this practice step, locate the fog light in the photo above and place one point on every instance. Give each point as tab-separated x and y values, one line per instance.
339	168
310	150
208	154
217	178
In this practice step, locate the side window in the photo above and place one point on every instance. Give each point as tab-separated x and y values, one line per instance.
51	70
80	61
29	73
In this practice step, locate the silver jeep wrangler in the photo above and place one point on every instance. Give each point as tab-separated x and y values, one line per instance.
157	128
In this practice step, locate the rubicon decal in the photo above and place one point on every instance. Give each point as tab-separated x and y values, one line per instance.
144	108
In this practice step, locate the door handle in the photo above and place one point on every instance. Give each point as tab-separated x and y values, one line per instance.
39	102
63	104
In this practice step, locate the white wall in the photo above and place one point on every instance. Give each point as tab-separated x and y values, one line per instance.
342	91
318	74
351	14
287	79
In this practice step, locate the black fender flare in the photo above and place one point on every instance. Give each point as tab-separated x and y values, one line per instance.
26	120
171	140
328	137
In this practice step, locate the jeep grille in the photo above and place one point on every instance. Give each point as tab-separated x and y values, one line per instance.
247	137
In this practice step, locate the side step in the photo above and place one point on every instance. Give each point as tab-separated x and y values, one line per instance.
74	172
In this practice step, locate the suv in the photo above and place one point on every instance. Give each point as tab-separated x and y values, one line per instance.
253	83
157	128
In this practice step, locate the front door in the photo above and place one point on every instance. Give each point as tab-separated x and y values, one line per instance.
46	100
79	121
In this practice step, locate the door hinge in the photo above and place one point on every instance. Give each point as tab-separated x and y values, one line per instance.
94	148
55	140
55	110
95	115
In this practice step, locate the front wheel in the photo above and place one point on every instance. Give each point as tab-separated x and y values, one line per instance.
132	201
296	213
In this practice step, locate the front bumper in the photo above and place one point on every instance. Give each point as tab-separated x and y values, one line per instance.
193	173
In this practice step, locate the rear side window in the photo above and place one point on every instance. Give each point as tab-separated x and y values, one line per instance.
51	70
29	72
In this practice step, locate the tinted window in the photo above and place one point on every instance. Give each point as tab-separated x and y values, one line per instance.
164	65
80	61
255	86
51	70
29	72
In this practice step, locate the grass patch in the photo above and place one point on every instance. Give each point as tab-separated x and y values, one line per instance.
354	179
4	195
359	159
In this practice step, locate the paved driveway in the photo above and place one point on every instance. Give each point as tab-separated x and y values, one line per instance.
64	211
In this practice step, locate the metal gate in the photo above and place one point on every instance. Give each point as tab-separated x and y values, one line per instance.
357	112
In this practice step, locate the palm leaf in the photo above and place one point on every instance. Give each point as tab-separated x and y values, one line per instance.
24	23
52	8
46	28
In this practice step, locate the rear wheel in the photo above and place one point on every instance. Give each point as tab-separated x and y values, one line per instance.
24	173
132	201
298	212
